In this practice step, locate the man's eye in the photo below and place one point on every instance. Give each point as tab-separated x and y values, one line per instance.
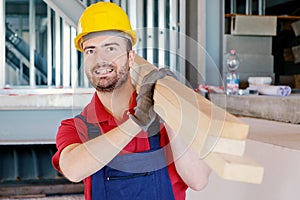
90	51
111	49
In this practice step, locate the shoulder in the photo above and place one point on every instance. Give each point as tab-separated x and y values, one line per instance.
72	130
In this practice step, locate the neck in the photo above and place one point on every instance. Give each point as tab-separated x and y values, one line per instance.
118	101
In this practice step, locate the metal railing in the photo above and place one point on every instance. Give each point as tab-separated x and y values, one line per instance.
248	7
159	41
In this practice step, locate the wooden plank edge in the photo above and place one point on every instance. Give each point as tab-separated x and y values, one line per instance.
235	168
223	145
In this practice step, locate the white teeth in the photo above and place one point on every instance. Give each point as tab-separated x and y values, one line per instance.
103	71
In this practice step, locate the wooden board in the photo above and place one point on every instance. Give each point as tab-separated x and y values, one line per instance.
201	122
224	145
237	168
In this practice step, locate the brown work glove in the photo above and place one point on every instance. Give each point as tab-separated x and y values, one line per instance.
144	114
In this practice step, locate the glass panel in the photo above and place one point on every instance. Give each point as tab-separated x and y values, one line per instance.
18	40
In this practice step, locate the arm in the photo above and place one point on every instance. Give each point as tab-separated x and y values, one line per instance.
193	171
78	161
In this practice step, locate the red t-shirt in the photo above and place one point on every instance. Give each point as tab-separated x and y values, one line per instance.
75	131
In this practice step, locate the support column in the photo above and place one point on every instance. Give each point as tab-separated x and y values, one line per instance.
201	41
2	44
248	7
66	42
140	26
233	7
261	7
195	42
49	47
182	41
173	35
214	41
150	31
57	51
74	62
32	42
162	33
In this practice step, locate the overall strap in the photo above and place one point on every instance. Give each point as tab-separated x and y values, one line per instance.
154	142
93	130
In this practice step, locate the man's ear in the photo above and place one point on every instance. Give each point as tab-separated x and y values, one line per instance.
131	57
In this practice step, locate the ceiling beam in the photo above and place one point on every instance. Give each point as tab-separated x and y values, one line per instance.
69	10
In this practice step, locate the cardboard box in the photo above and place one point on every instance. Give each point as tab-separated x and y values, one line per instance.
248	44
296	53
254	63
297	81
296	27
245	75
288	55
253	25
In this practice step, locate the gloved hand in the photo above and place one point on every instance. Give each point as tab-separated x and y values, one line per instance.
144	115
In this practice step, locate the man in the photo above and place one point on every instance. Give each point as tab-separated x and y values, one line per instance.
117	145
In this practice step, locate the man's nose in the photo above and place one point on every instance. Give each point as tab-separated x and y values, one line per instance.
100	57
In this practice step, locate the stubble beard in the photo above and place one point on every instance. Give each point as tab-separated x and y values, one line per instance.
111	83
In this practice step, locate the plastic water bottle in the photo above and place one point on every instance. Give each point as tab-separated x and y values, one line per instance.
232	76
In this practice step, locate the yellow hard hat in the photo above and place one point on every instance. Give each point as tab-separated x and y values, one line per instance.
103	16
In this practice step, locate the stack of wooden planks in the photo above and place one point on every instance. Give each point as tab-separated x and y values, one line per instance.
217	136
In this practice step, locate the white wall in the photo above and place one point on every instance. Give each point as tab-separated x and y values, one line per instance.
281	177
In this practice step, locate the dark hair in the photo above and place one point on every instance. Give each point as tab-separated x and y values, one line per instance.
129	45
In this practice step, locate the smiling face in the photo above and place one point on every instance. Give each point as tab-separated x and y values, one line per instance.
106	61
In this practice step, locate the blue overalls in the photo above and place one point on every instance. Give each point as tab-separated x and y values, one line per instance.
132	176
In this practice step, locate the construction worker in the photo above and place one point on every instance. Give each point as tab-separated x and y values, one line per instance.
117	145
